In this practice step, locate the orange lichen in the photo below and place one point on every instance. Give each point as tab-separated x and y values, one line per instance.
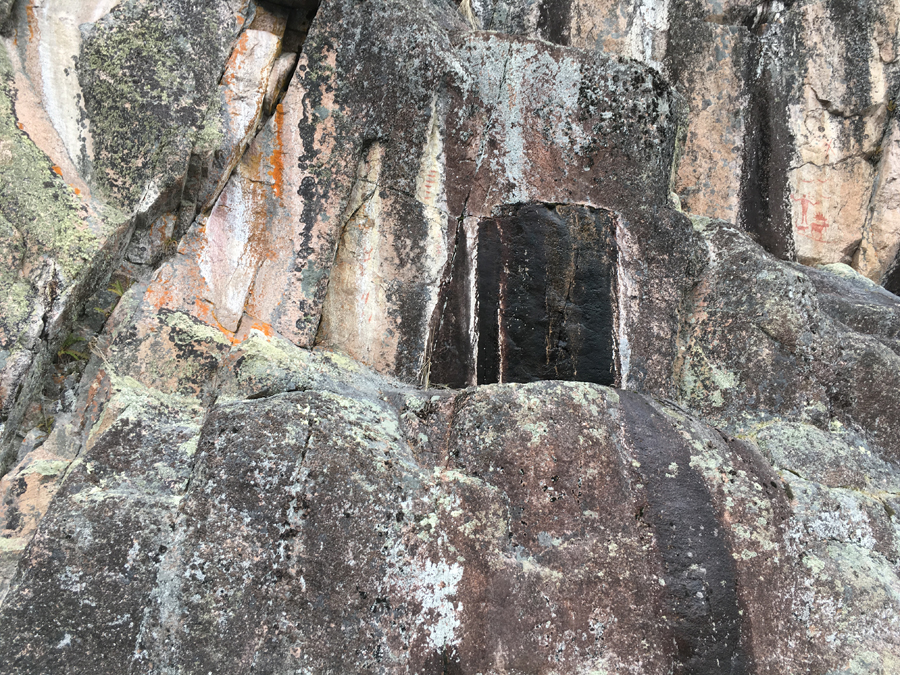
205	311
159	295
31	18
263	327
240	48
277	159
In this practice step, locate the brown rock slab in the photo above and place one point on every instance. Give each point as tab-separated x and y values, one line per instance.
354	523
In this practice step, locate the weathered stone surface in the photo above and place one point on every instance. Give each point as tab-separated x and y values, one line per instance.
242	92
547	300
629	28
365	273
101	104
135	495
712	65
249	476
789	106
878	251
829	108
799	342
282	71
54	248
356	524
139	43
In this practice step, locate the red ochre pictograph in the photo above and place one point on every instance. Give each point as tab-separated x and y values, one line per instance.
816	229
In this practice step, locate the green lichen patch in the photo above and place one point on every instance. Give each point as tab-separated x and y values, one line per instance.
211	134
835	459
46	467
34	200
148	72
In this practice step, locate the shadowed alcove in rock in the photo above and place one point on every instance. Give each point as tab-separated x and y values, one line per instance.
531	296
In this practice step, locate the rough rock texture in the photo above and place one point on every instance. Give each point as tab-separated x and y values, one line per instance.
526	528
378	199
798	342
791	106
101	105
493	336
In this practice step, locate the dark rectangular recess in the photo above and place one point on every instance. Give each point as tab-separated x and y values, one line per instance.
544	294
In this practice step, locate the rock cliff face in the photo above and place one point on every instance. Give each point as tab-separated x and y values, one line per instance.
493	336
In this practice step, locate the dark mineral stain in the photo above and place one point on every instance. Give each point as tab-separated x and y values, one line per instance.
553	21
452	361
546	283
490	261
892	278
700	573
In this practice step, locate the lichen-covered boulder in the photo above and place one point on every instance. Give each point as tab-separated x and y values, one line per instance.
796	342
342	521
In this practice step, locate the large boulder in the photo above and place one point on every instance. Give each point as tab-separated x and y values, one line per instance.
802	343
323	518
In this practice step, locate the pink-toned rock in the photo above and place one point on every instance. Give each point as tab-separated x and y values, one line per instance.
377	290
87	151
235	260
711	165
881	235
25	494
241	94
837	115
281	73
829	205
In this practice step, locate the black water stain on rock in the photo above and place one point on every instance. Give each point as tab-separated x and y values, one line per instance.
452	360
553	21
546	285
892	278
700	574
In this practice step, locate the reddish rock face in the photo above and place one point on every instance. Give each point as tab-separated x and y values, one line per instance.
379	225
652	446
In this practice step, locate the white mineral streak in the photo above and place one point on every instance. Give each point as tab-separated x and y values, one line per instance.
512	119
432	194
355	299
628	295
59	33
647	37
226	263
361	315
470	226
